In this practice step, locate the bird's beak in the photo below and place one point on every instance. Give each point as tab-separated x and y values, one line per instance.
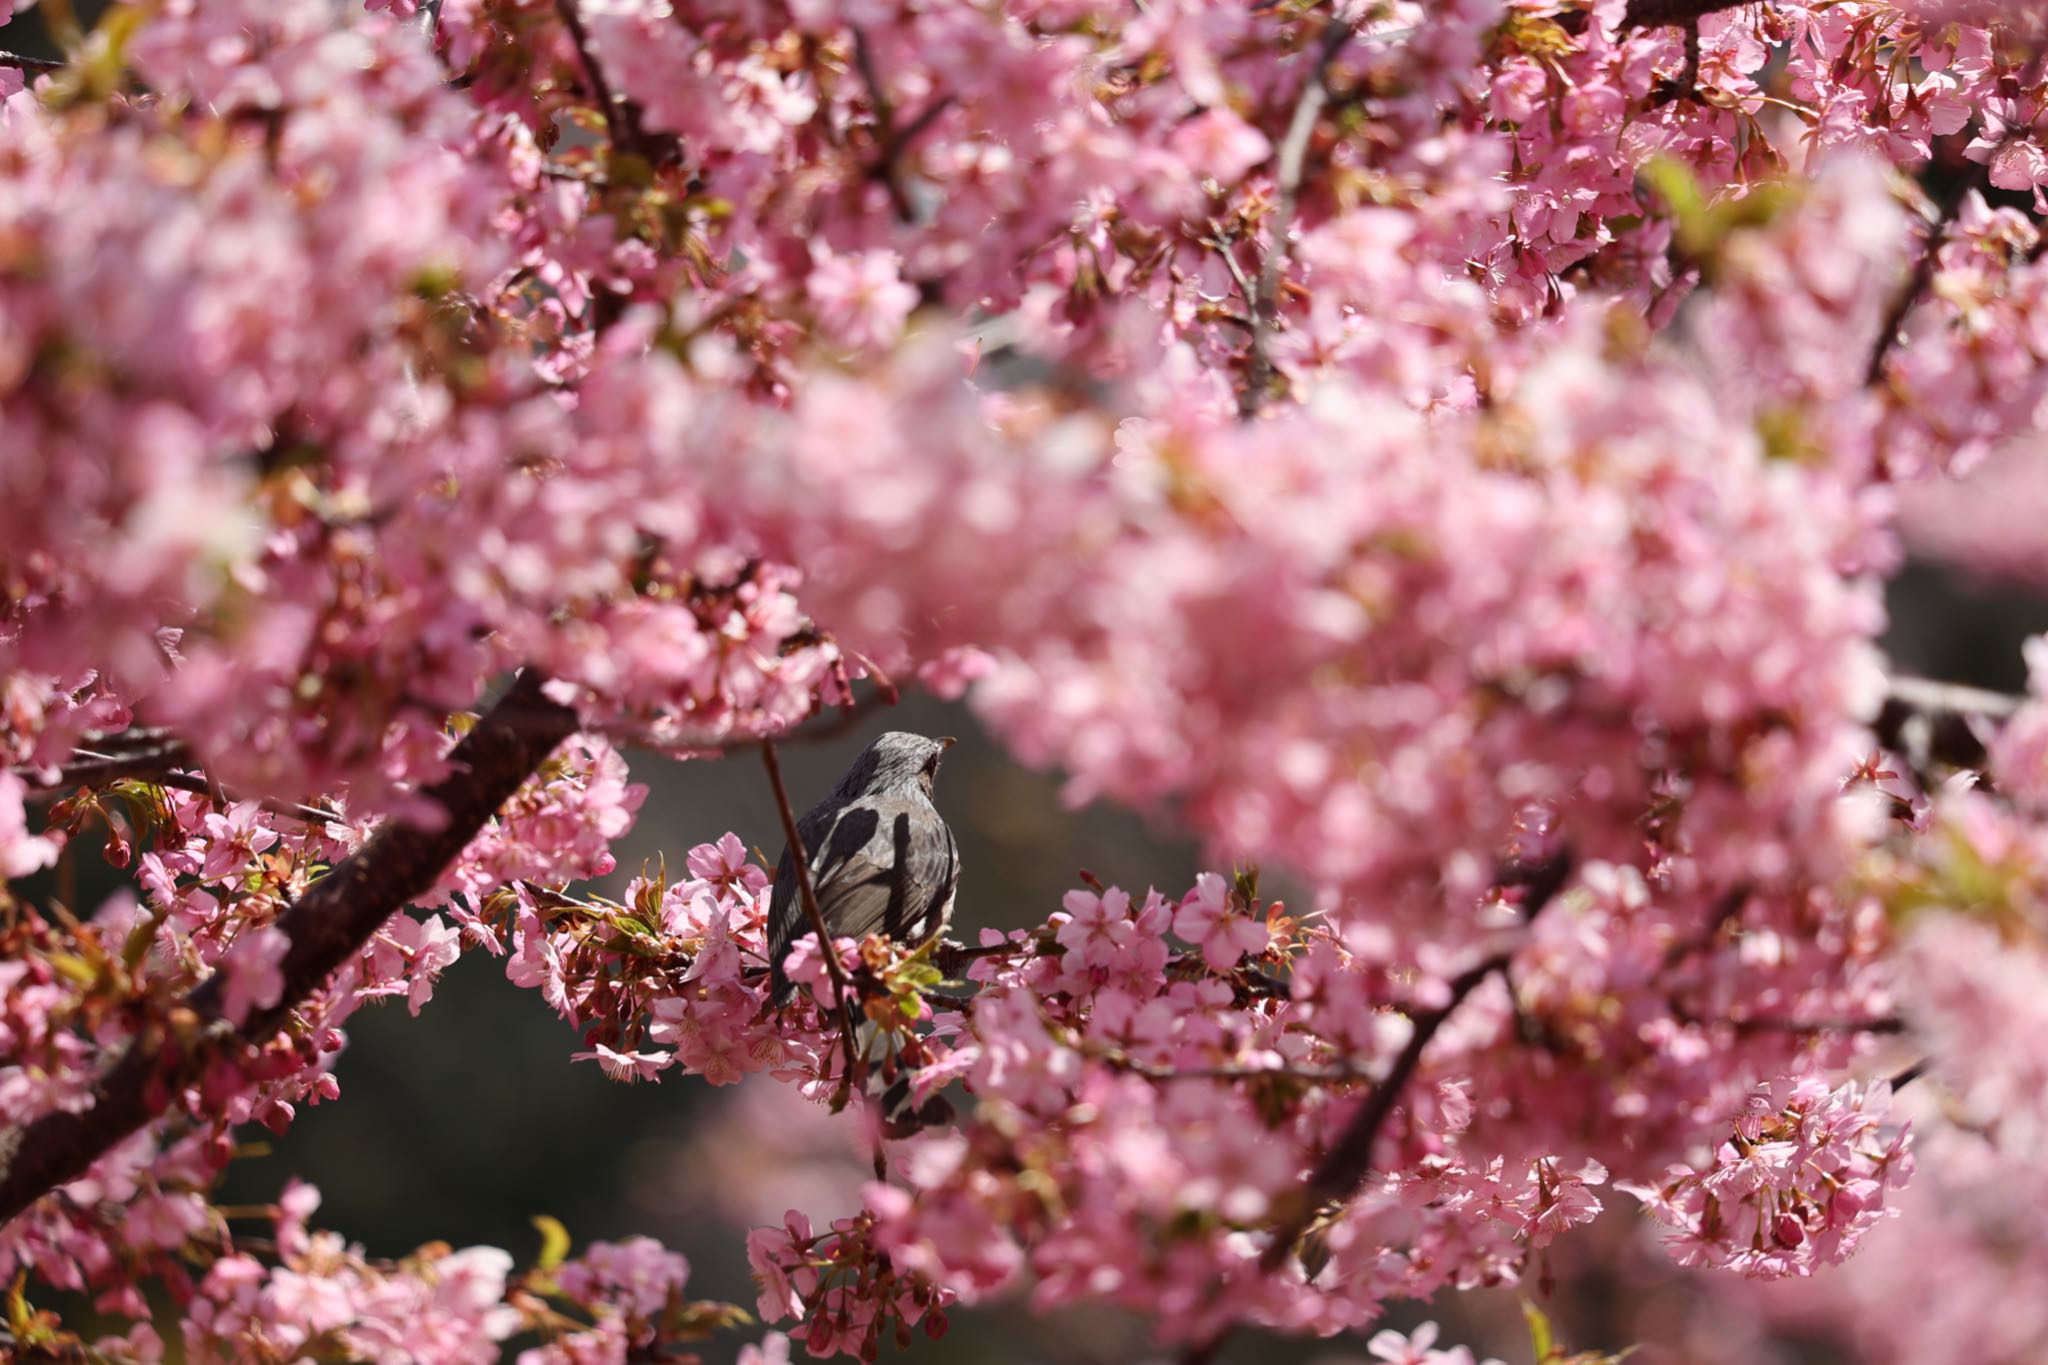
947	741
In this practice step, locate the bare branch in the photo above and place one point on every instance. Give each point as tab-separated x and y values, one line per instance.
1948	177
1931	696
326	926
23	63
621	119
1764	1023
801	861
1659	13
952	958
157	763
291	810
1343	1074
885	125
1926	721
1293	157
93	768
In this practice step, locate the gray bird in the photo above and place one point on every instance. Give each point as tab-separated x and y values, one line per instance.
882	858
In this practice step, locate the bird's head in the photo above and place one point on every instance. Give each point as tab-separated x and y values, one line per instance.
896	761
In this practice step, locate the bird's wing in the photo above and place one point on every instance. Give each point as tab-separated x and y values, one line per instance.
883	864
890	873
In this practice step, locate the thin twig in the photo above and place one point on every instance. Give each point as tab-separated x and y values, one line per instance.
291	810
1223	244
157	767
1317	1075
619	117
827	948
1287	181
885	125
1926	722
94	768
1884	1023
24	63
841	720
1946	698
1915	286
892	139
952	958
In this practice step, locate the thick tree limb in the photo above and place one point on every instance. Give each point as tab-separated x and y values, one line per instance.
326	926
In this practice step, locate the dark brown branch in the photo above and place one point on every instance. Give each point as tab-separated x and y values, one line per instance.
1764	1023
885	126
326	927
822	727
801	861
92	769
621	120
1349	1160
1686	85
291	810
1658	13
22	63
952	958
1314	1075
158	767
1910	294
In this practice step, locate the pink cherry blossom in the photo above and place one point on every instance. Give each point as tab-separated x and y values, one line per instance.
1452	457
861	300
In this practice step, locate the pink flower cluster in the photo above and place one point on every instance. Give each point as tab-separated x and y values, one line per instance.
1799	1182
214	881
436	1307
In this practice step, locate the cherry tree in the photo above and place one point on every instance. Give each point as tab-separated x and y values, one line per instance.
1450	451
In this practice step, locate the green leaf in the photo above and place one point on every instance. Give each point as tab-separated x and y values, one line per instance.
1542	1340
554	1243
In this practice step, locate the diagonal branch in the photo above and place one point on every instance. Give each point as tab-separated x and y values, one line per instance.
800	859
621	119
326	927
885	126
1293	158
1948	178
21	62
93	768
